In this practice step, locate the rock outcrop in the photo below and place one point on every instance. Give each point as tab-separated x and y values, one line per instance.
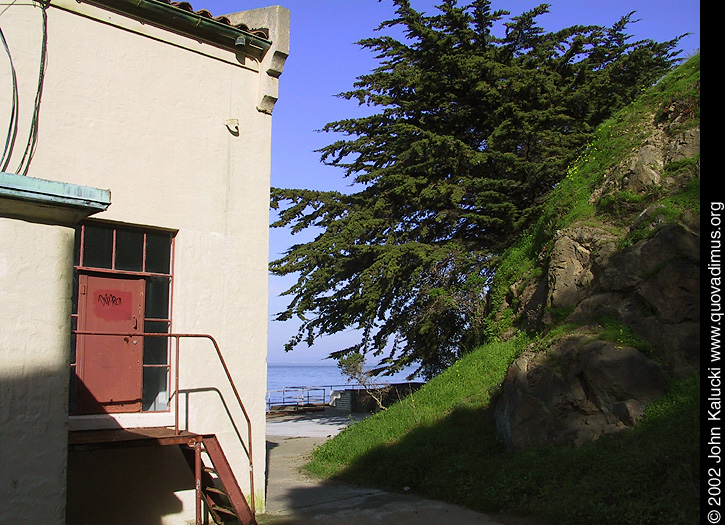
583	384
575	392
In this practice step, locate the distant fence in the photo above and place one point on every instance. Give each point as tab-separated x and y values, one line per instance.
301	397
296	397
347	397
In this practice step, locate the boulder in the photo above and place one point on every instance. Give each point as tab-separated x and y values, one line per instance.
576	392
577	255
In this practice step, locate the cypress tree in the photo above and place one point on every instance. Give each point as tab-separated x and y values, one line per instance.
471	131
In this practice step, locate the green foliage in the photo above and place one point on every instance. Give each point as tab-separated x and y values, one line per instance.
351	365
471	133
620	334
671	209
619	206
570	202
679	96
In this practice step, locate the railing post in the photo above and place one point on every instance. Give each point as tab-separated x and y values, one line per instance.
197	480
176	388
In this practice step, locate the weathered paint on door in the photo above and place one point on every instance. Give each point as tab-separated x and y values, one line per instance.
110	368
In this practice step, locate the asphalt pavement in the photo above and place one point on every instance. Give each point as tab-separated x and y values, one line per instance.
296	498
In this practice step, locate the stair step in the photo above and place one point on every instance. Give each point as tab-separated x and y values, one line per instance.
220	491
216	490
225	510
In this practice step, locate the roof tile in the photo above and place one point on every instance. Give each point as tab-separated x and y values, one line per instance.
186	6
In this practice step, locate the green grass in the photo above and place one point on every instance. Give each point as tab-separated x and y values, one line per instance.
467	385
441	443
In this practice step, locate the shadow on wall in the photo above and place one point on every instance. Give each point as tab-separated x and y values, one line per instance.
126	485
121	486
33	433
213	393
269	446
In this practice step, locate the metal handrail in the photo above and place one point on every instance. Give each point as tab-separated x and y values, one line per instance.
175	394
298	397
297	401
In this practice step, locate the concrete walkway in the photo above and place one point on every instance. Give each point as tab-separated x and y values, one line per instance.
295	498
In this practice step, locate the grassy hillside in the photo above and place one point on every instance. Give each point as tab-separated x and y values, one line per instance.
441	441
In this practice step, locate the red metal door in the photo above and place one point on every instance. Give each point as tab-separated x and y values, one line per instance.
110	368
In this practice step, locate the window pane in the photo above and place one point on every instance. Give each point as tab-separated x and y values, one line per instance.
157	297
73	339
155	348
129	250
155	390
73	391
97	246
77	247
158	252
74	293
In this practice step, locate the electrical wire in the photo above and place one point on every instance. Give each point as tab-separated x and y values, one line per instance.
12	132
8	6
13	125
33	133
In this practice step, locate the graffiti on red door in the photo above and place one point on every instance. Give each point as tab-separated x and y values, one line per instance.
113	305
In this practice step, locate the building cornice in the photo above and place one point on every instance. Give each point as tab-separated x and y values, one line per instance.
189	23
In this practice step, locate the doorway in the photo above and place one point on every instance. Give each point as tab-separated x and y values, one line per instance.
122	284
110	368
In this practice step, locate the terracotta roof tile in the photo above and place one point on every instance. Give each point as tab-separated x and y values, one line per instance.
186	6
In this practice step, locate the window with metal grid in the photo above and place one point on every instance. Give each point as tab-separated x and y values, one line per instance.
137	252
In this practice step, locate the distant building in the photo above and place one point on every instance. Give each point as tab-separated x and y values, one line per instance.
134	207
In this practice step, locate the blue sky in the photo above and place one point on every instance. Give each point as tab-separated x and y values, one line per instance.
324	61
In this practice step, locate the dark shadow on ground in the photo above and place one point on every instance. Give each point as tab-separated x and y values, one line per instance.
296	497
460	460
269	447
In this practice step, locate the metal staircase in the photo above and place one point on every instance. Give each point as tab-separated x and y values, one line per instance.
216	485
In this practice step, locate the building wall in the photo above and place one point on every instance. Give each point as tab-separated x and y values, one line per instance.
173	128
35	292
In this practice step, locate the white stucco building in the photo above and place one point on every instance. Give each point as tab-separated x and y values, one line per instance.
134	200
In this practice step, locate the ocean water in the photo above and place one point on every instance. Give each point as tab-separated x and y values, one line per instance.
281	376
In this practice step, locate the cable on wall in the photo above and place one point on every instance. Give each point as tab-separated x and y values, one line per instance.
13	124
33	133
12	131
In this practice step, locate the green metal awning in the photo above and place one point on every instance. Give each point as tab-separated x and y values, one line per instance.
48	201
